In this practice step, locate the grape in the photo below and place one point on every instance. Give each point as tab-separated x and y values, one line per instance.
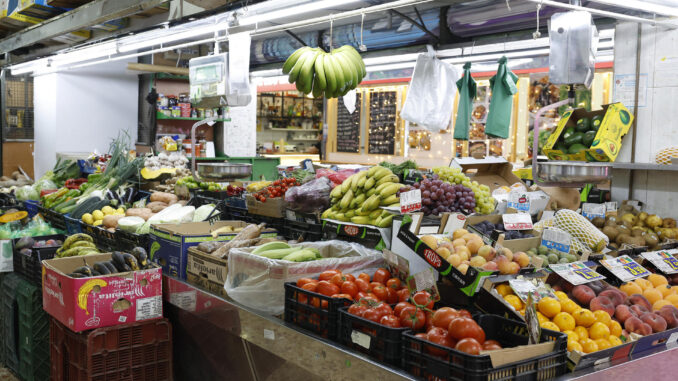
440	193
434	196
434	189
425	194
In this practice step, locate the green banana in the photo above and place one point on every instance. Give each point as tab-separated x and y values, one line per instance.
293	58
357	59
349	214
336	192
375	214
306	74
339	75
362	181
317	91
346	200
363	220
275	245
357	201
391	189
301	256
392	199
360	212
381	172
350	75
346	185
348	58
326	214
371	203
385	221
373	170
330	77
294	73
388	179
319	66
369	183
371	192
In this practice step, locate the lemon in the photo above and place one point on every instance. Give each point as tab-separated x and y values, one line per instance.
98	222
88	219
107	210
98	215
120	210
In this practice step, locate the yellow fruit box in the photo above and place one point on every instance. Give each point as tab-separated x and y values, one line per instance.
607	142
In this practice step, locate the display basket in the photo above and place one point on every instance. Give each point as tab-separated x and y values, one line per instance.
30	266
312	311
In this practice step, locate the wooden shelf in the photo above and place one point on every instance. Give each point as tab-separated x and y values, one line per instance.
294	129
160	116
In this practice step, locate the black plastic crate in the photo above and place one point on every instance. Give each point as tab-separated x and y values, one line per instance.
128	240
312	311
271	222
73	225
237	214
33	333
308	232
32	207
457	365
30	266
9	308
103	238
54	218
378	341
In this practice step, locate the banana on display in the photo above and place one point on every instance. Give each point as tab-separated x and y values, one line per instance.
331	75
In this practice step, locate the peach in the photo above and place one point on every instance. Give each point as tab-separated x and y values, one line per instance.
638	309
567	286
659	304
603	303
491	266
459	233
505	252
617	297
640	299
522	259
597	286
454	259
583	295
487	252
655	321
652	295
477	261
657	280
622	312
635	325
631	288
459	242
473	246
670	314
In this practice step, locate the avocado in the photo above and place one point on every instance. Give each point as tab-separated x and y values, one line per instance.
588	138
575	148
583	124
568	132
575	138
560	146
596	121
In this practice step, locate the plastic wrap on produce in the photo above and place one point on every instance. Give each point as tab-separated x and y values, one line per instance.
310	197
258	282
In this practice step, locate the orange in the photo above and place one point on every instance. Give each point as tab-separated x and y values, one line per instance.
599	331
549	306
569	306
675	289
643	283
504	289
615	340
561	296
588	345
665	290
603	344
514	301
584	317
631	288
571	335
542	318
550	325
582	332
673	298
656	306
564	321
574	346
602	317
615	328
652	295
657	279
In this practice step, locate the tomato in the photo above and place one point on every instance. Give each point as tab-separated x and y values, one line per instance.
420	336
394	283
423	299
369	300
328	274
310	286
468	345
392	296
462	327
301	282
381	292
429	320
360	295
357	309
413	318
443	316
490	345
372	314
390	321
349	277
403	295
350	288
345	296
438	336
464	313
399	307
338	279
365	277
328	289
376	284
384	308
362	285
381	275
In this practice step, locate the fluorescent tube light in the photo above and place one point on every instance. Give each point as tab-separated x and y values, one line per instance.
644	6
171	36
292	11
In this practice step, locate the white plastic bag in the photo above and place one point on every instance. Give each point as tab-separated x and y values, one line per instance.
239	69
430	98
258	282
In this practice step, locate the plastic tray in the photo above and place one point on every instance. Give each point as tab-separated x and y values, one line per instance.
31	266
138	351
312	311
31	207
458	365
73	226
33	333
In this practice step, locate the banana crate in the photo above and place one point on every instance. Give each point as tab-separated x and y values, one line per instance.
103	300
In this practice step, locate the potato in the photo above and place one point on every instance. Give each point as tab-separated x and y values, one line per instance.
167	198
156	206
111	221
144	213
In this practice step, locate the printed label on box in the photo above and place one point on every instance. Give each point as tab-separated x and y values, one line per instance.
524	287
454	222
663	260
517	221
591	210
576	272
519	201
611	206
625	268
361	339
410	201
149	308
556	239
185	300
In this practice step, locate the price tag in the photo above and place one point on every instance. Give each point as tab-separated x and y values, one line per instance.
410	201
517	221
591	210
397	265
545	215
361	339
625	268
556	239
519	201
424	280
455	221
664	260
576	272
290	215
524	287
611	206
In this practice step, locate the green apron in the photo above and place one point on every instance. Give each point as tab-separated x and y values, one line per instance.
467	92
503	86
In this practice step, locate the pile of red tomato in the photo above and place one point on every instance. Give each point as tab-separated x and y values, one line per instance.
277	189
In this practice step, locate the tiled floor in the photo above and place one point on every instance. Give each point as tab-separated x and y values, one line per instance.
5	375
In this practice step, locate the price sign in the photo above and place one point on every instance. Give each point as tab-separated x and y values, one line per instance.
611	206
545	215
517	221
664	260
576	272
410	201
625	268
591	211
519	201
524	287
558	239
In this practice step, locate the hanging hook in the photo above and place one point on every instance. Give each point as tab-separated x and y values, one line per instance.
508	6
537	33
362	46
331	27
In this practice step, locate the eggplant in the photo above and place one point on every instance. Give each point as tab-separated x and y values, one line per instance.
129	195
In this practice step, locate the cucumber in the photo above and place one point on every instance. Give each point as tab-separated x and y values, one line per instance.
588	138
574	139
575	148
583	124
596	121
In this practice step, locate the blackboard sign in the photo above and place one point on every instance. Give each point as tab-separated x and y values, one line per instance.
382	122
348	127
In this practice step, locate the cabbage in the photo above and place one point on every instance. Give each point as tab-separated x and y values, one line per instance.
45	184
130	224
27	192
203	212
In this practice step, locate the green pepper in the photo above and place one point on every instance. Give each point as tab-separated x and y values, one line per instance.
94	177
83	187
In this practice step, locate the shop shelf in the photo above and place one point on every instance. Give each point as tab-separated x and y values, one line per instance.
138	351
33	333
314	312
160	116
295	129
30	266
10	322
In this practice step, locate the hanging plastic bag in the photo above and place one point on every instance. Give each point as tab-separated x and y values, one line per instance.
503	86
349	101
430	98
239	70
467	92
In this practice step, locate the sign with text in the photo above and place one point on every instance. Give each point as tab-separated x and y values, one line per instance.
664	260
410	201
625	268
524	287
556	239
576	272
517	221
591	210
519	201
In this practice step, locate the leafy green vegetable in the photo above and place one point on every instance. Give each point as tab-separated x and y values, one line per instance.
400	168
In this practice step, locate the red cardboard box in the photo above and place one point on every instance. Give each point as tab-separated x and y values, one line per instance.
100	301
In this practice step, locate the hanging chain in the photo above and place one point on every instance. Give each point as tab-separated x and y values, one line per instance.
362	46
537	33
331	28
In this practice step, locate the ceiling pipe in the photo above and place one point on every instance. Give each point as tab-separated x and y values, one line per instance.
642	6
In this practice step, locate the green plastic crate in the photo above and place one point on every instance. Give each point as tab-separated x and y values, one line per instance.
34	360
2	320
261	166
10	322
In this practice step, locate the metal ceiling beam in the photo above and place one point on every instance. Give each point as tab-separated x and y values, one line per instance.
96	12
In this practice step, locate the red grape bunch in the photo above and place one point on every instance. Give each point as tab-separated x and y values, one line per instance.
438	196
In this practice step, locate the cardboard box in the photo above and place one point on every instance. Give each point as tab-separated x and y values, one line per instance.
273	207
170	242
514	245
108	299
495	172
608	140
367	235
38	9
206	271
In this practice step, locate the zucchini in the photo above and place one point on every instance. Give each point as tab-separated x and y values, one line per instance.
87	206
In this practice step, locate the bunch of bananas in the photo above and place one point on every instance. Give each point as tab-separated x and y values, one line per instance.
119	263
330	74
77	244
258	185
359	197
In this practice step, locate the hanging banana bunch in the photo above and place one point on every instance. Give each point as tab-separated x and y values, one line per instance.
325	74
